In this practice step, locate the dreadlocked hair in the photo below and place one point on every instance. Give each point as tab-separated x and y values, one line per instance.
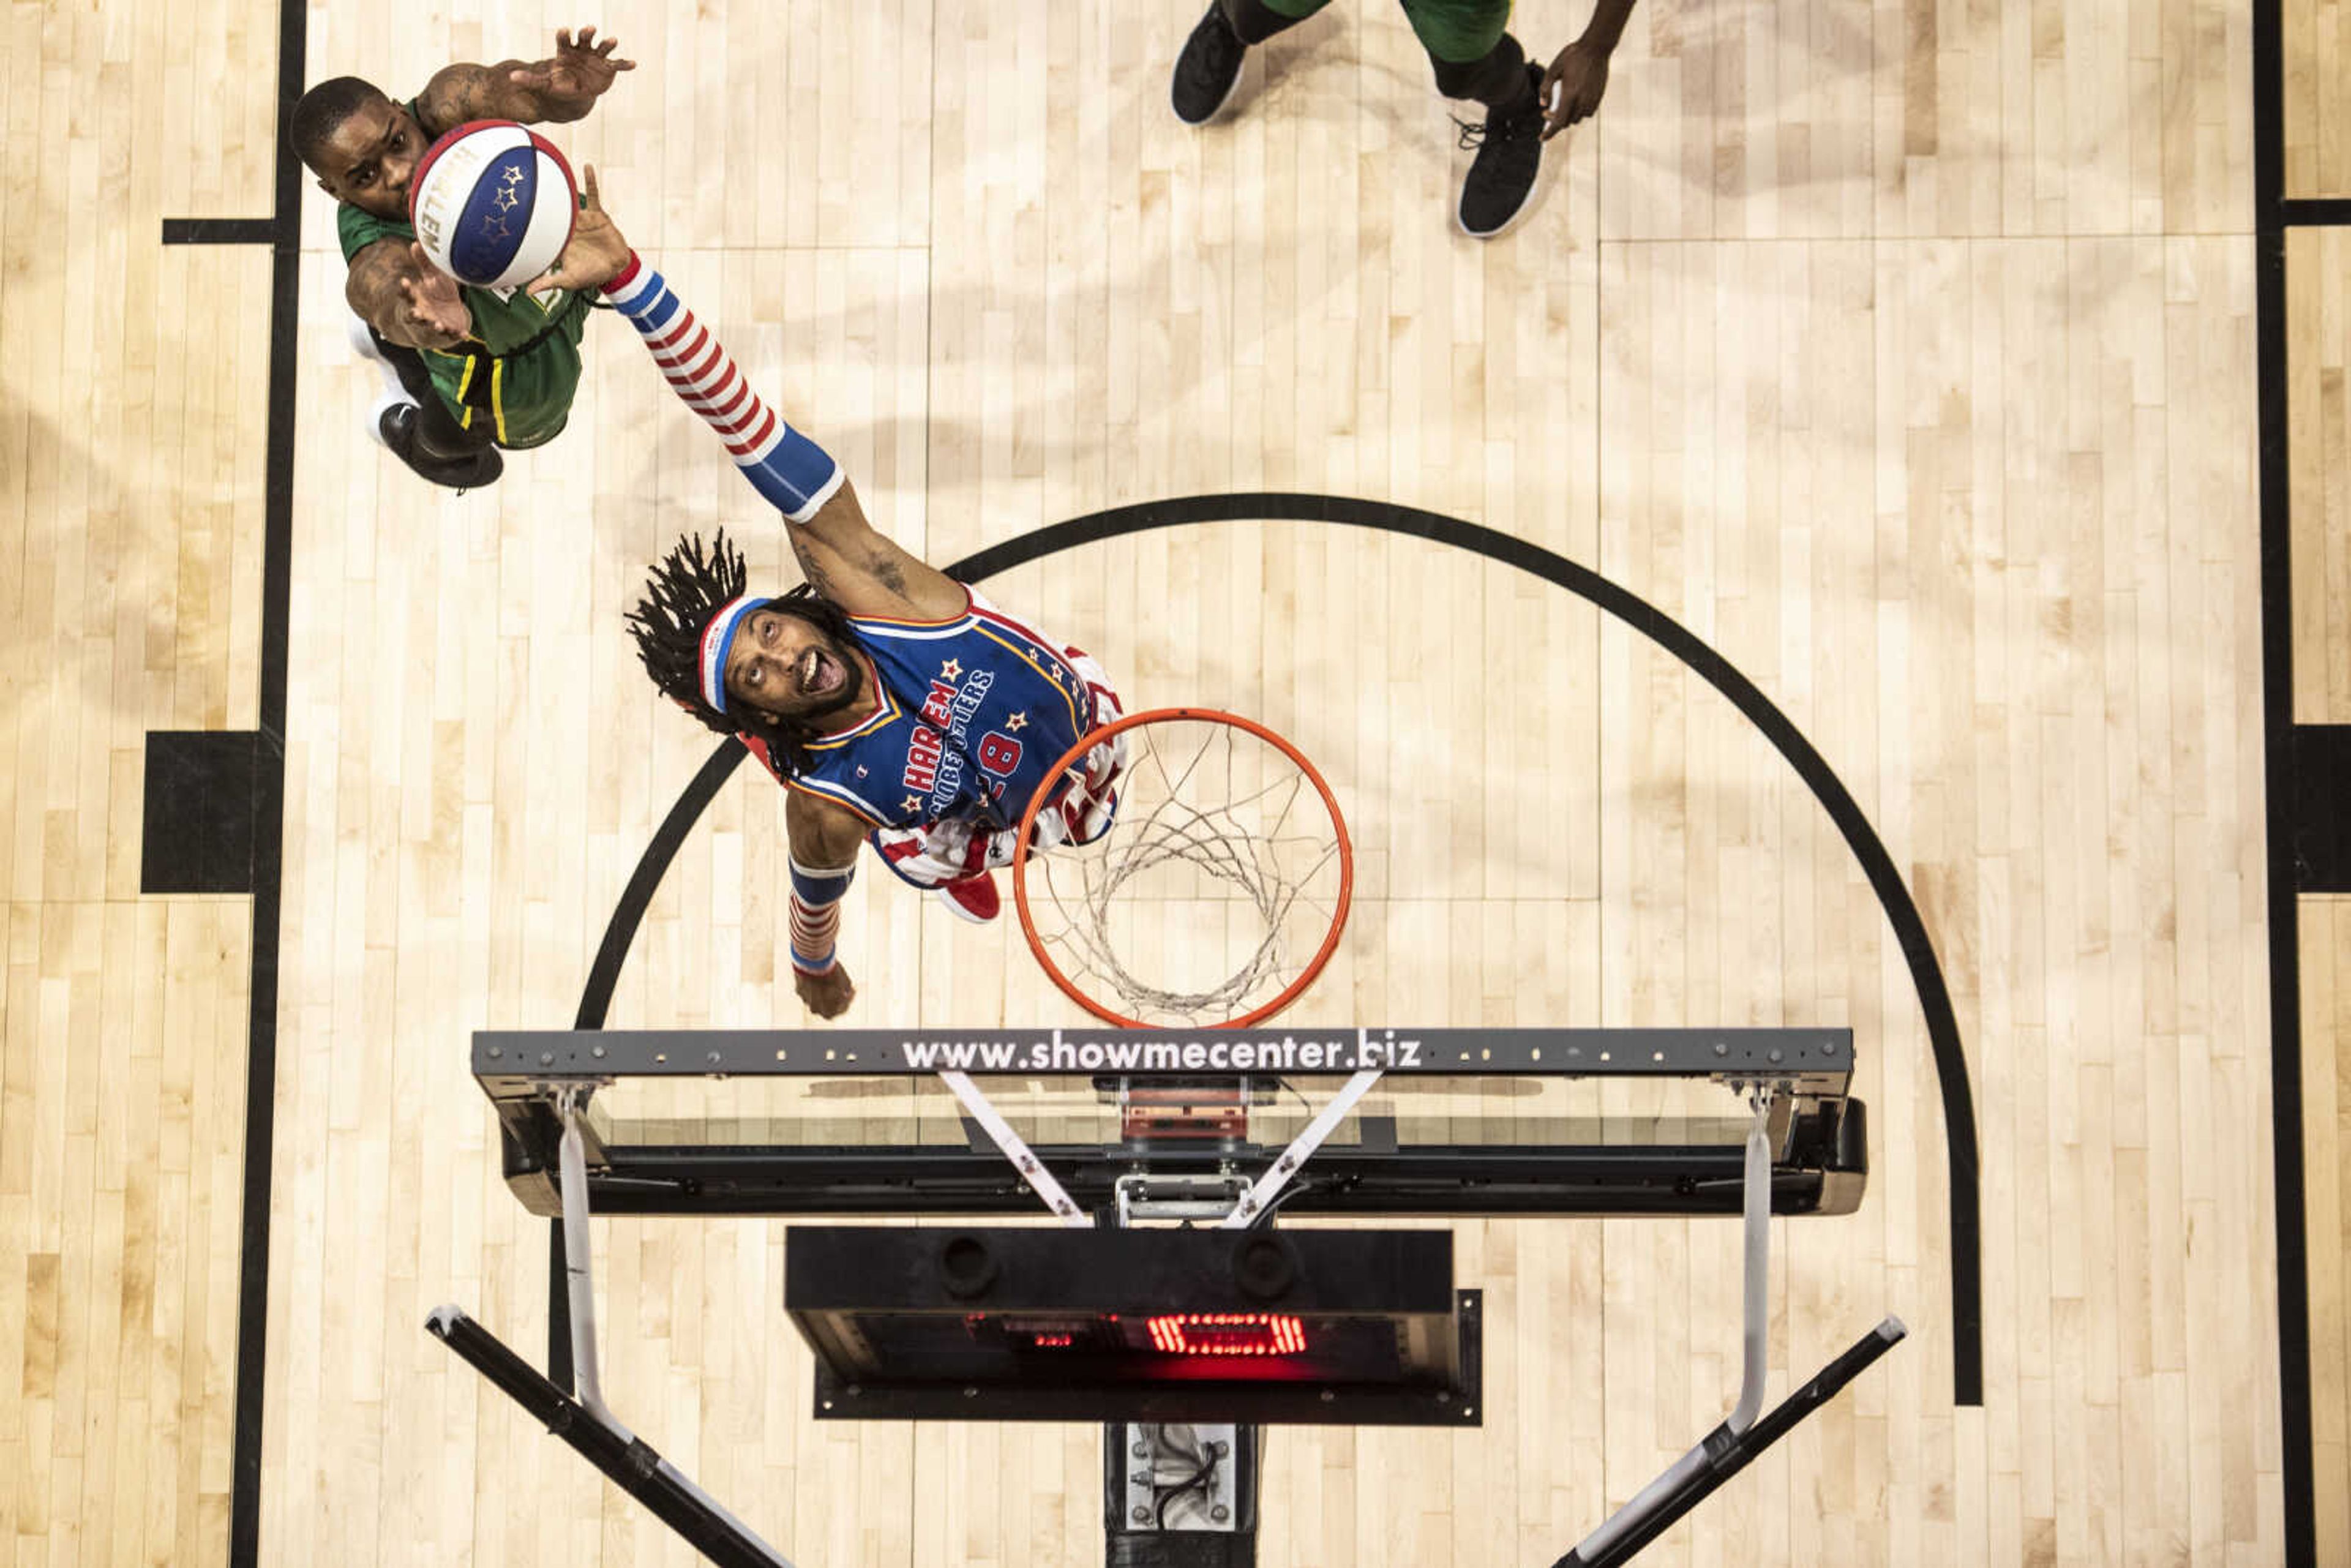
684	594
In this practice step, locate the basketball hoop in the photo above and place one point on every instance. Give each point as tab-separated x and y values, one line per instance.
1191	868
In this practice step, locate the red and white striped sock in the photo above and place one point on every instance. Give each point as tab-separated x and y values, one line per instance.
791	471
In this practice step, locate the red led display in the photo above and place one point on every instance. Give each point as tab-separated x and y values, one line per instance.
1053	1340
1227	1334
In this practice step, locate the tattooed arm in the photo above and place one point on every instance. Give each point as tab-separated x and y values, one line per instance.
843	556
560	88
392	289
863	570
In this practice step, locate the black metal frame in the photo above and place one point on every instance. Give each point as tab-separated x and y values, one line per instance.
1808	1060
1127	1544
859	1294
1820	1167
1459	1404
1727	1453
629	1462
1820	1175
1818	1142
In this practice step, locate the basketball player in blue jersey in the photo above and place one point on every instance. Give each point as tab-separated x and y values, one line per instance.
896	705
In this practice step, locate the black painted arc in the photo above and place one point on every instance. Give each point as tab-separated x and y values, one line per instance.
1885	880
604	973
596	997
269	811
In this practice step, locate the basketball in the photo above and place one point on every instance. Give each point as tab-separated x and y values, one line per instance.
493	204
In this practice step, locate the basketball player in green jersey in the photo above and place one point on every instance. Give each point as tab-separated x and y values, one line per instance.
1474	56
475	370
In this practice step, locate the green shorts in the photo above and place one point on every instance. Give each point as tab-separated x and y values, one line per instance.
1456	32
525	397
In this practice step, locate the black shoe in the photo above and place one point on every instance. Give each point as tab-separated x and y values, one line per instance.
1209	70
1501	186
470	472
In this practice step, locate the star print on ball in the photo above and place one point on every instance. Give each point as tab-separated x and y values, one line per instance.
493	204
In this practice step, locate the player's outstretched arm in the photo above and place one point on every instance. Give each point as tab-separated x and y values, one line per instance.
393	290
824	839
846	559
560	88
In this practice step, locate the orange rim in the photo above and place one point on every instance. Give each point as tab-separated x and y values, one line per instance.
1070	758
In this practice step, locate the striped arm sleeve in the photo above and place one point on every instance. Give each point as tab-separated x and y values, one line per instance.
817	893
795	474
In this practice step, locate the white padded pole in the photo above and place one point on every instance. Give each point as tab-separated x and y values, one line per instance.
580	1285
1757	1205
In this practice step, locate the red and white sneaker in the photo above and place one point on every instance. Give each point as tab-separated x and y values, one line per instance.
974	898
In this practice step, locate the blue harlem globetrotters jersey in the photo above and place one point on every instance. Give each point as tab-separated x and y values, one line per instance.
973	712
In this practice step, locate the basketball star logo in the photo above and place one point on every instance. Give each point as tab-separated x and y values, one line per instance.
505	199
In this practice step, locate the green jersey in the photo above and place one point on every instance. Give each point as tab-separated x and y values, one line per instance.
523	365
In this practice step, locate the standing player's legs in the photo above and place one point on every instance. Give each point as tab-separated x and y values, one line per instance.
1476	58
1209	70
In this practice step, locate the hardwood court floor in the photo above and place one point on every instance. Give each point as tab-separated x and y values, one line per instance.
1904	352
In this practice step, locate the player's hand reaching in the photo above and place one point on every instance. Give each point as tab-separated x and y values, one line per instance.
1571	89
597	253
826	995
433	309
581	72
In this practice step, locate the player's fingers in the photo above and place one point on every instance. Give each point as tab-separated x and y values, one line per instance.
590	193
586	39
562	38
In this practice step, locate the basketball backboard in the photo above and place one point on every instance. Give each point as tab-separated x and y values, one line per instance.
1459	1122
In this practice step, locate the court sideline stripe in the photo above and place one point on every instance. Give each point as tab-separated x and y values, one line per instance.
2297	1457
1852	823
269	811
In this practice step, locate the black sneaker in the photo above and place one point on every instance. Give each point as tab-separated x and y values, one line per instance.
1208	71
1499	188
471	471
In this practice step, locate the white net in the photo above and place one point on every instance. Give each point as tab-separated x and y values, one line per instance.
1212	891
